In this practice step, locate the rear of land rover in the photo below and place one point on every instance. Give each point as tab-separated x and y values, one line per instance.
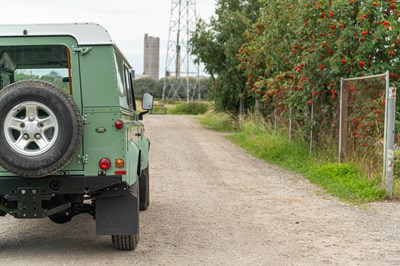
70	139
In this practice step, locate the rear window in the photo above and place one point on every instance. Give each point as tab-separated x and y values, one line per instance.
43	62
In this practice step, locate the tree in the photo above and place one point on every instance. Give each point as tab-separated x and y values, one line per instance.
297	52
216	44
264	57
147	84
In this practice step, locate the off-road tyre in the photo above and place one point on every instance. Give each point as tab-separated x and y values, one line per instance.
125	242
27	149
144	189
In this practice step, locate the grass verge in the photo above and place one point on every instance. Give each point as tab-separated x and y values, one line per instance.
192	108
345	181
221	122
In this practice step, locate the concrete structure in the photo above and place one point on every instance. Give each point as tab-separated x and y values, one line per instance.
151	66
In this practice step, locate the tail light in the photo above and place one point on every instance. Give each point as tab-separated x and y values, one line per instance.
119	124
105	163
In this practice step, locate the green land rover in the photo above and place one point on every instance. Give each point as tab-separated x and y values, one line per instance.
71	140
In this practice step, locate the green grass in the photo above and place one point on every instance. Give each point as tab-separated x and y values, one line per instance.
345	181
159	109
192	108
221	122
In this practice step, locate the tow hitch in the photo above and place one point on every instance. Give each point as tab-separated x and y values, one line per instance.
29	204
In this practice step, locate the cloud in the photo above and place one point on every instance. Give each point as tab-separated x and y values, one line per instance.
126	20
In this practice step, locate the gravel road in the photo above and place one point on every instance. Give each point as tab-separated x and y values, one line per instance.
213	204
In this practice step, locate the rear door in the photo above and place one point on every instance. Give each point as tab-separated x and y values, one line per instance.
51	59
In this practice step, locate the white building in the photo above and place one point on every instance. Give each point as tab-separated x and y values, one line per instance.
151	66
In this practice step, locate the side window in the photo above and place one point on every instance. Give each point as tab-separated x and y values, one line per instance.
121	84
124	83
129	88
131	78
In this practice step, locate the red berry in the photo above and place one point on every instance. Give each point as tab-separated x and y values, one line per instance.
361	64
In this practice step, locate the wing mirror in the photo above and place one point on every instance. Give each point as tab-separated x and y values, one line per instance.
147	101
147	104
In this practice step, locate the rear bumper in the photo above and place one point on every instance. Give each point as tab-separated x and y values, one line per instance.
31	198
116	207
54	185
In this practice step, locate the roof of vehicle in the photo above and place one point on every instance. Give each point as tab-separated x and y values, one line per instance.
84	33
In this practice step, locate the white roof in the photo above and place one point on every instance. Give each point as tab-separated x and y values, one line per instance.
84	33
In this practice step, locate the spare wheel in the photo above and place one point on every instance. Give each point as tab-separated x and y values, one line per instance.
40	128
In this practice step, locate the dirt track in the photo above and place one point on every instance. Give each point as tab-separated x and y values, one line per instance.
213	204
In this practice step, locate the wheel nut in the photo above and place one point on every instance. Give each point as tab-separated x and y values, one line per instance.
31	118
26	137
37	136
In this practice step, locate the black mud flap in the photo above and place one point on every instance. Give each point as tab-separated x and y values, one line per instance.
117	211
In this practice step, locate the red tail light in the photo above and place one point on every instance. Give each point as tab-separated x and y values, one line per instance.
120	172
105	163
119	124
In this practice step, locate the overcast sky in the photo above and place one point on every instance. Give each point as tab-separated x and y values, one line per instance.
126	20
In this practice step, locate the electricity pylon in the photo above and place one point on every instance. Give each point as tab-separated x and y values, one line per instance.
181	74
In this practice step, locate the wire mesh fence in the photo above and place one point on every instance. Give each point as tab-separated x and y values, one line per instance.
362	121
359	120
366	127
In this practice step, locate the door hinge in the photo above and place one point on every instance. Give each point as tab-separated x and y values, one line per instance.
83	159
84	119
83	50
